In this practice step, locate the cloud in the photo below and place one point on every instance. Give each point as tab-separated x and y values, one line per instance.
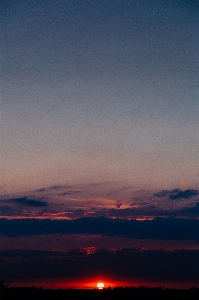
177	194
118	204
152	211
149	265
55	187
191	210
28	202
69	193
6	210
41	190
158	228
165	193
183	194
185	183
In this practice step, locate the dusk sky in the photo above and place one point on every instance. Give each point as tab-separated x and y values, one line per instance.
100	142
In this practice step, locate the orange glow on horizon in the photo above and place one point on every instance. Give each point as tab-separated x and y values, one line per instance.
145	218
92	284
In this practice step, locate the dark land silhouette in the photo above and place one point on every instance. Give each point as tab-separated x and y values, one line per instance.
124	293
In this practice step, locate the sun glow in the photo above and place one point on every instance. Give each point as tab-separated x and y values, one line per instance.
100	285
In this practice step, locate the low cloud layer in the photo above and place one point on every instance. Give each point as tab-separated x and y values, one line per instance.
155	212
37	208
123	263
158	228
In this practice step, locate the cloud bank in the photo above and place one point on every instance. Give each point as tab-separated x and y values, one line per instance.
129	263
158	228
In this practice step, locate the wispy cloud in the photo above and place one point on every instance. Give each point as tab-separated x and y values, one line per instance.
69	193
55	187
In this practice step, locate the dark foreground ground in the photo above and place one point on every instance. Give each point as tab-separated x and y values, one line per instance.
109	294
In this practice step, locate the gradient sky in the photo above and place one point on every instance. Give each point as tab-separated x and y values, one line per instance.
99	122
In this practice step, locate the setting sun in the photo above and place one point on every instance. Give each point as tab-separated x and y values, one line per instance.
100	285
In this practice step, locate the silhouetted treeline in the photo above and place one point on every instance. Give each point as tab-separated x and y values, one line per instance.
109	294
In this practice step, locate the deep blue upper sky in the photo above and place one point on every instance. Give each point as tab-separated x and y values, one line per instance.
100	91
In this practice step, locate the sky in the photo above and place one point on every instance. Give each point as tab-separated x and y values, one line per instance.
100	142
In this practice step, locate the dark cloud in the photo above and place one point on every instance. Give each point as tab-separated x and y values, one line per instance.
41	190
149	265
69	193
29	202
41	253
191	210
158	228
165	193
6	210
55	187
183	194
118	204
152	211
176	194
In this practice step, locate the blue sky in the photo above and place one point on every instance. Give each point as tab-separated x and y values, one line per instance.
100	91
